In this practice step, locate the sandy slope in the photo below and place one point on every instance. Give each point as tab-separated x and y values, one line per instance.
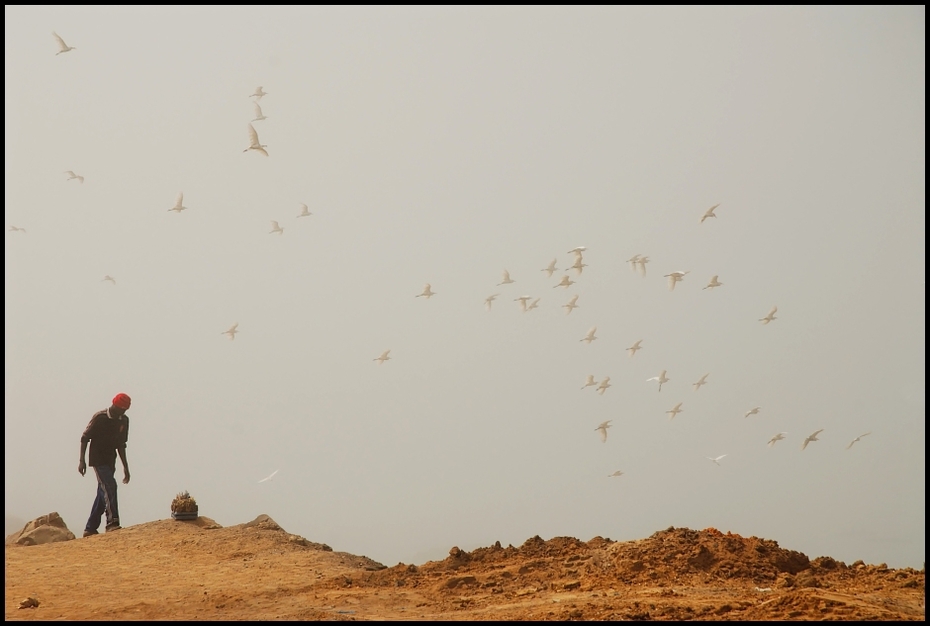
198	570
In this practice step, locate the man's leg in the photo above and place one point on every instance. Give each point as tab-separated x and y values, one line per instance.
107	478
96	511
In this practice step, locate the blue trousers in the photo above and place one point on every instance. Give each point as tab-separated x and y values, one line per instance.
105	501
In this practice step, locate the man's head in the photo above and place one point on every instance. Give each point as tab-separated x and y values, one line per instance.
121	403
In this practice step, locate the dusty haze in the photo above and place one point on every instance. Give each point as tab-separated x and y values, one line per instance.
444	145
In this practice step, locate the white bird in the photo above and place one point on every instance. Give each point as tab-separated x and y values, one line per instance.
550	269
275	228
617	473
602	429
259	93
632	349
384	357
179	205
715	460
73	176
641	263
776	438
254	144
489	300
702	381
589	382
675	277
571	304
811	437
713	283
109	278
857	439
578	265
505	280
675	410
565	282
577	250
14	229
304	210
522	300
427	292
709	213
603	386
269	477
632	261
259	116
590	336
753	411
533	305
62	46
771	316
661	378
232	331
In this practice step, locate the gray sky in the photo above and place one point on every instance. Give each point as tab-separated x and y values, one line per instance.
443	146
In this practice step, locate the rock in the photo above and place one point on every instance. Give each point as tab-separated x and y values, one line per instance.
45	529
29	603
806	579
263	522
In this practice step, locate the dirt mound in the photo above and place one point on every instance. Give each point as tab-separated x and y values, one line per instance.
198	569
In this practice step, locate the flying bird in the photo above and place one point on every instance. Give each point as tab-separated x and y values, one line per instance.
632	261
661	378
602	429
603	386
533	305
384	357
550	269
73	176
489	300
232	331
109	278
632	349
259	93
713	283
857	439
577	251
565	282
709	213
753	411
259	116
427	292
771	316
578	265
62	46
522	300
269	477
304	210
702	381
776	438
715	460
254	144
589	382
275	228
571	304
505	279
675	277
617	473
811	437
641	264
179	205
675	410
590	336
14	229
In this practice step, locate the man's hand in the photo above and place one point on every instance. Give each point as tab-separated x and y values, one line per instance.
125	475
82	467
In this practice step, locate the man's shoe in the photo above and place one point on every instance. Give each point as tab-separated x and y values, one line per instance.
112	528
90	533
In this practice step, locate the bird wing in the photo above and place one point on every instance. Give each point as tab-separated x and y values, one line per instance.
505	276
253	136
772	312
817	432
61	42
180	200
602	431
274	225
269	477
258	109
73	175
233	327
671	282
573	300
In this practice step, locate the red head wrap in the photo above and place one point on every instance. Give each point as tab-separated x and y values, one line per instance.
121	401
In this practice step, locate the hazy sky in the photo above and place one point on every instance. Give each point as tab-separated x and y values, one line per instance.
444	145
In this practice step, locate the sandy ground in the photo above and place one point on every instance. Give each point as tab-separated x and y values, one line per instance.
198	570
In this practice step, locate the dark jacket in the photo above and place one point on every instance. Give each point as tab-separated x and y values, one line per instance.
106	435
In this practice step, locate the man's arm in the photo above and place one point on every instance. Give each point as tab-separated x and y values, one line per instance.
86	436
122	457
82	466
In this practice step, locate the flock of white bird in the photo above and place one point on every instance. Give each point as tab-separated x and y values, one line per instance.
526	303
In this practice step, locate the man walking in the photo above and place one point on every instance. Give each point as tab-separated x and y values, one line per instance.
107	432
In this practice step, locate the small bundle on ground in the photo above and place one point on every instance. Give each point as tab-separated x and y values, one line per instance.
184	507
